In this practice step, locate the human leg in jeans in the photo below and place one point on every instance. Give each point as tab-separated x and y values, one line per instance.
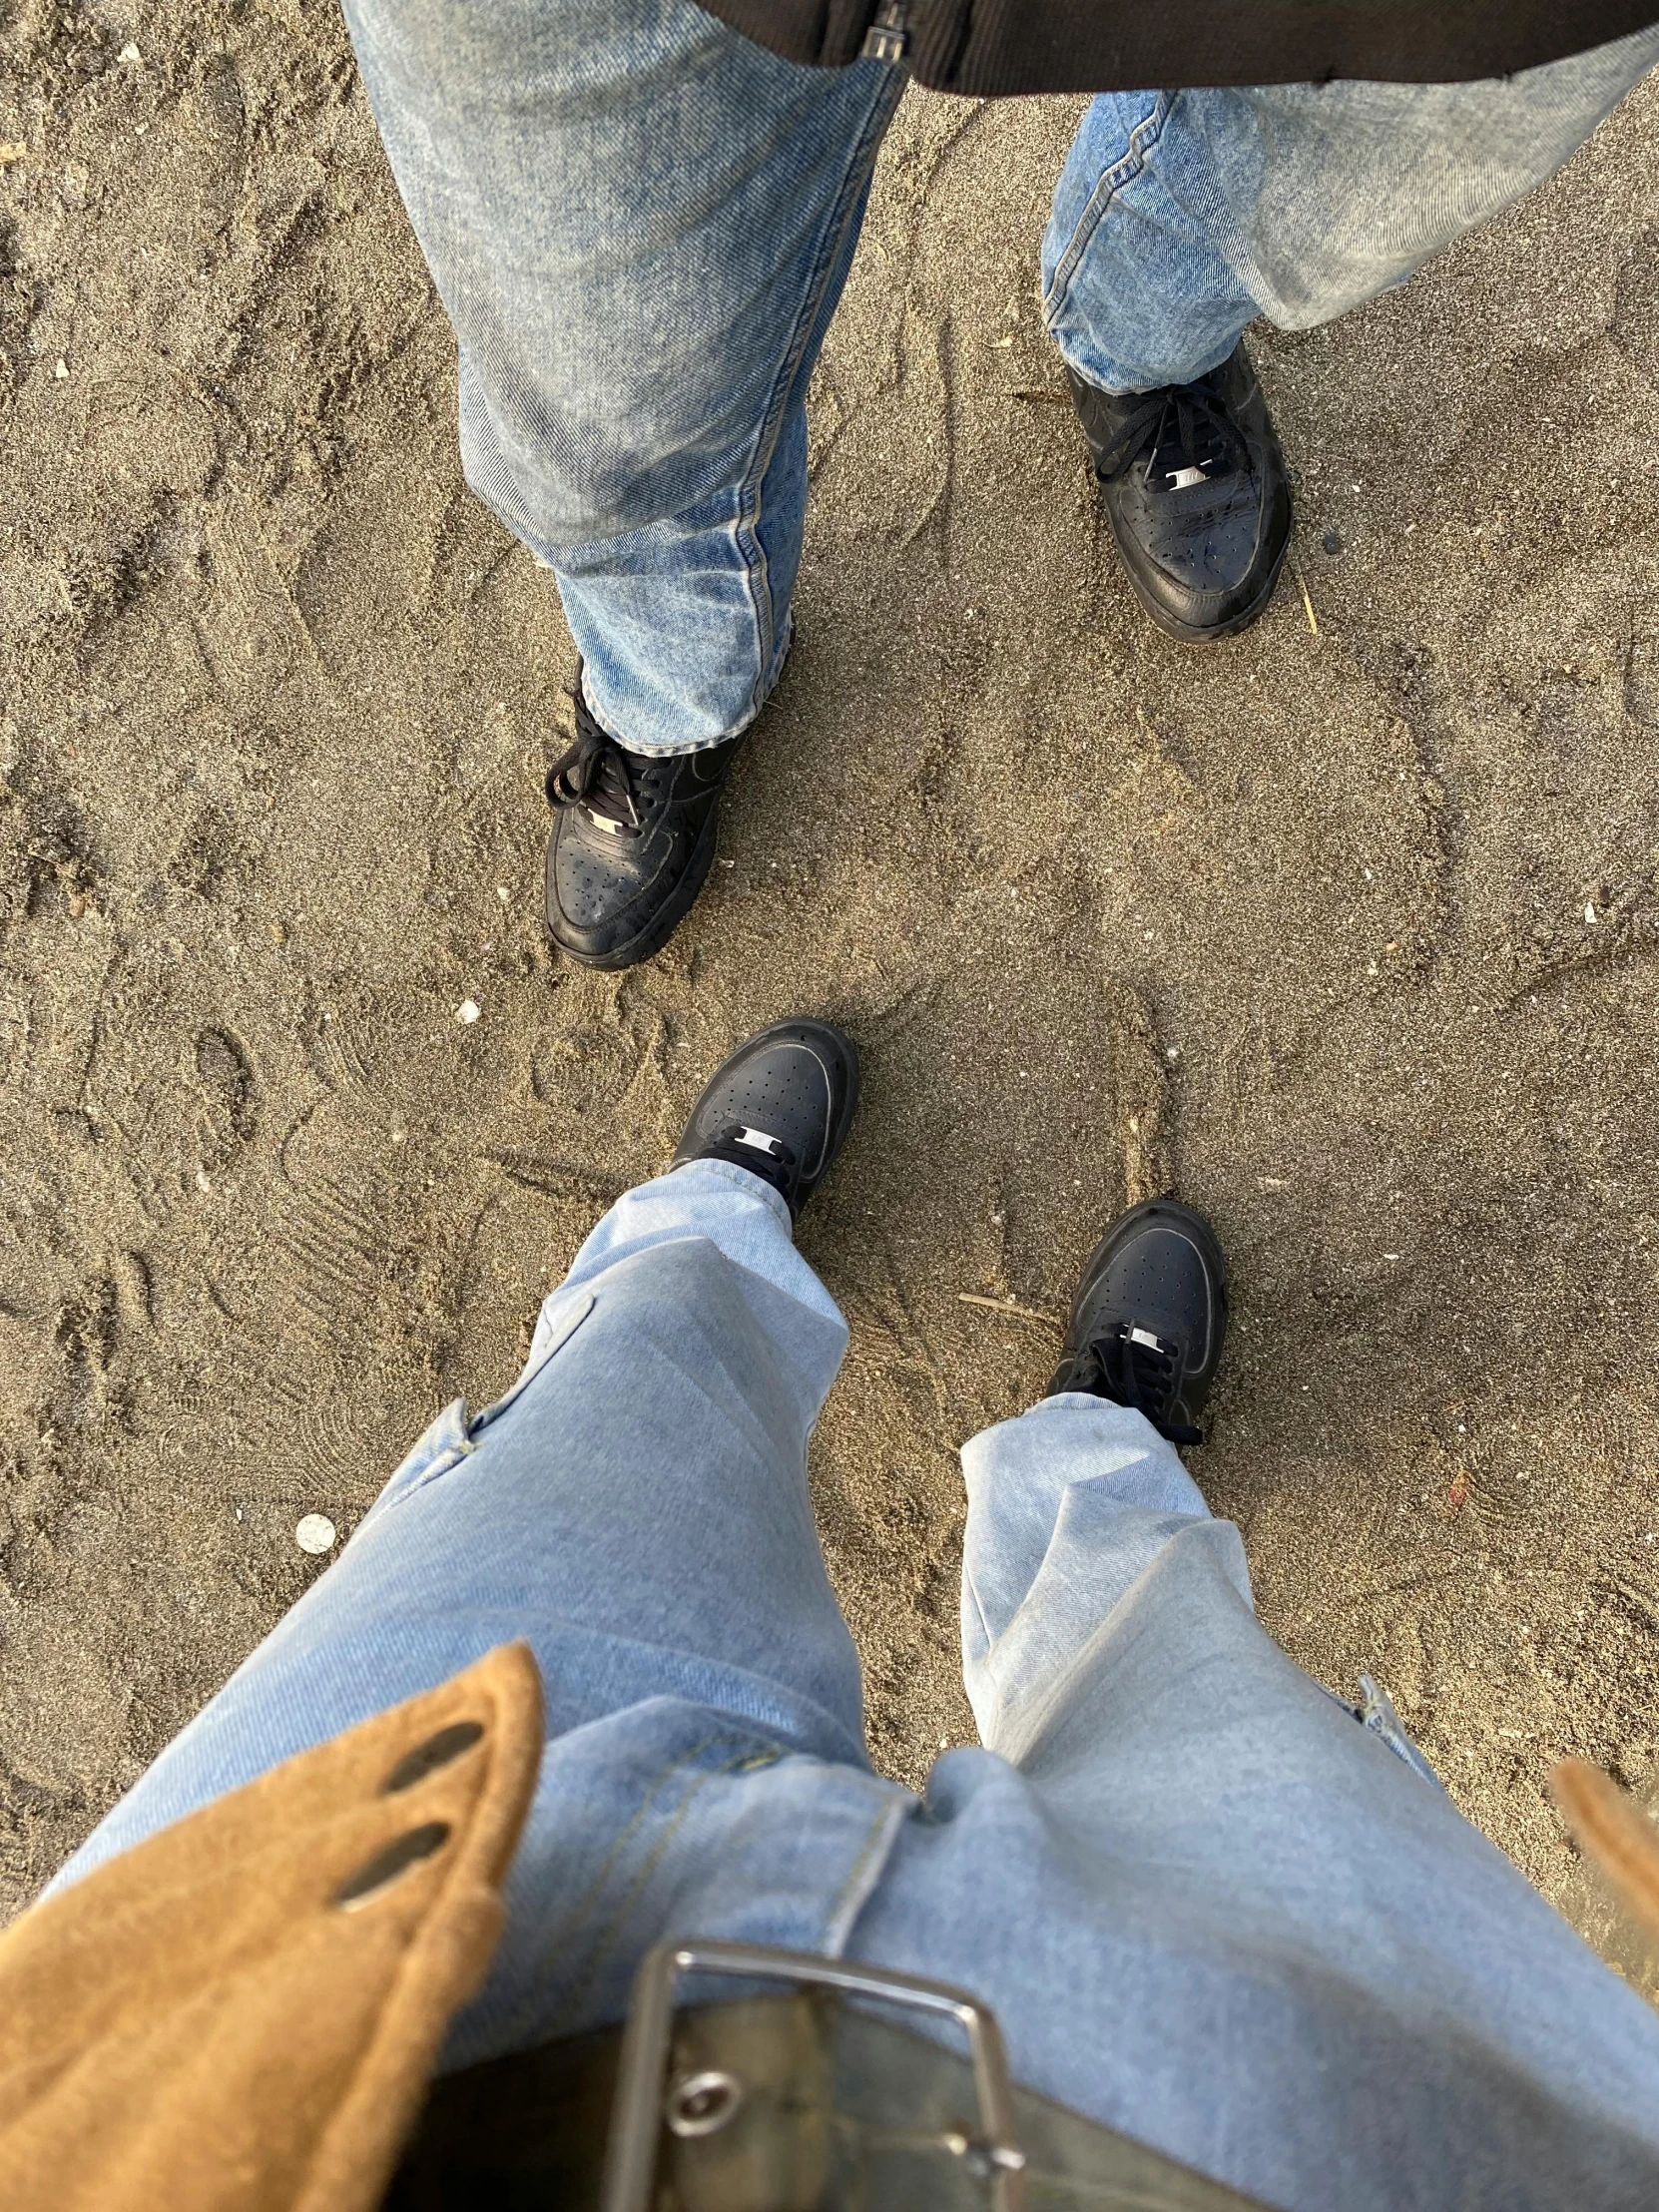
1180	217
640	224
1209	1907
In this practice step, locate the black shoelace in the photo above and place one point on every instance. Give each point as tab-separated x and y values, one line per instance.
1140	1375
1182	428
594	774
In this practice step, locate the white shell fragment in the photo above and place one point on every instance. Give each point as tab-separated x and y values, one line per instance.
468	1010
316	1533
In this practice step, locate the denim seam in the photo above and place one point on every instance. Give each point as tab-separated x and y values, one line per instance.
866	1871
452	1455
442	1464
746	523
970	1590
565	1930
744	527
607	1935
564	1935
1141	139
575	1315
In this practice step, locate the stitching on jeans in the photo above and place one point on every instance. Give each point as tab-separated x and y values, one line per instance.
855	1891
746	524
562	1937
970	1590
578	1989
1141	139
642	1881
578	1311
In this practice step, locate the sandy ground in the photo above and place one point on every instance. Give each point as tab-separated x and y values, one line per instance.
1352	934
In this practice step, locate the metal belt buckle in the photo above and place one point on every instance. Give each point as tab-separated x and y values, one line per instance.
702	2104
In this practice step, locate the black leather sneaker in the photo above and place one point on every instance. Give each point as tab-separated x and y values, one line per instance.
781	1106
632	844
1150	1319
1193	486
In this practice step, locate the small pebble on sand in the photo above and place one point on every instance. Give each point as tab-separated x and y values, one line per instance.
468	1010
316	1533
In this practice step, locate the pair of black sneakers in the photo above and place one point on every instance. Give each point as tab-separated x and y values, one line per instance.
1149	1317
1194	487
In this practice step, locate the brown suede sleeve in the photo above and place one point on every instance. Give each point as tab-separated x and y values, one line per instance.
214	2020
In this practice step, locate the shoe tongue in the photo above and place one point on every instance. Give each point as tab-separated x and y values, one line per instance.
1174	468
609	796
1186	453
760	1153
607	780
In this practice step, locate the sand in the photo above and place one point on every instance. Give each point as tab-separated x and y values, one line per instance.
1346	928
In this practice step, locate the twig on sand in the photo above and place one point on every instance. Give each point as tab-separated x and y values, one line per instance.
1007	1305
1313	619
1043	399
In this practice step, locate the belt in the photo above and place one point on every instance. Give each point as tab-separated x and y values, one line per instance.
815	2098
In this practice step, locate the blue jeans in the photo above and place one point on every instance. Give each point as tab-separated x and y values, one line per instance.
1209	1907
640	223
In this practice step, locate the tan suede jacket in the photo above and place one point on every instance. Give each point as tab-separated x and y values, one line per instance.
243	2011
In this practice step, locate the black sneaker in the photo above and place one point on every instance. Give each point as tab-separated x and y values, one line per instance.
633	840
781	1106
1150	1319
1195	490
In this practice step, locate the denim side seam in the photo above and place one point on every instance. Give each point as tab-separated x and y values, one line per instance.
1142	140
746	524
1376	1715
970	1594
866	1871
462	1428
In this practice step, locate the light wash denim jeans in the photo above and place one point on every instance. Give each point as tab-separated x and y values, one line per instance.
640	224
1209	1907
